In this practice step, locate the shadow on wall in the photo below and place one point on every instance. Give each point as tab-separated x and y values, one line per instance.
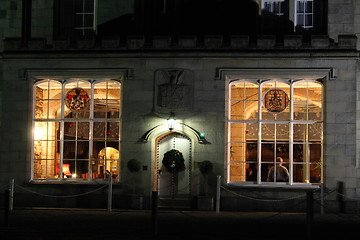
200	18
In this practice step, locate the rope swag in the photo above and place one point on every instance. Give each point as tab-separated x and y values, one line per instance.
174	161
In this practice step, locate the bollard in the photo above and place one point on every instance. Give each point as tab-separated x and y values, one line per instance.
309	213
7	210
11	194
109	205
340	190
322	198
154	212
218	185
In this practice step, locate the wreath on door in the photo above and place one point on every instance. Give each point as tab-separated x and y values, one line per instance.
174	161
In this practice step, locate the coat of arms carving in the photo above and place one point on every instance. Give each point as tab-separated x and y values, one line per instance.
174	91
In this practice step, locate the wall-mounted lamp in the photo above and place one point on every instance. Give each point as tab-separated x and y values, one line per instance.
171	121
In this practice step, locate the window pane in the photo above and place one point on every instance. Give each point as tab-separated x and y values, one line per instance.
309	6
300	110
99	148
69	149
100	108
237	172
51	169
299	132
41	91
299	151
114	90
300	7
113	109
315	132
39	169
112	130
268	132
308	20
40	149
99	130
41	109
82	151
238	110
300	20
315	173
315	111
315	91
100	90
251	131
315	153
69	169
237	152
83	129
282	132
267	153
82	169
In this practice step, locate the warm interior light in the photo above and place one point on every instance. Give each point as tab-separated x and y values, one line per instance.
171	121
66	169
38	133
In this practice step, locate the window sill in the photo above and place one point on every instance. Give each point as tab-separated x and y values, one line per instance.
79	182
275	186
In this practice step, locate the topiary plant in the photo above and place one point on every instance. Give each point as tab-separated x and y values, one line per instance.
134	165
205	167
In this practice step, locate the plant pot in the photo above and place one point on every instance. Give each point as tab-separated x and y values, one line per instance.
136	202
205	203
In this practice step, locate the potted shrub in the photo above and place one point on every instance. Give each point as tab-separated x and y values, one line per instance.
174	162
205	202
134	166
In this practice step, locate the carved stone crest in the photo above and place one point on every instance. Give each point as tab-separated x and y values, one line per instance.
173	91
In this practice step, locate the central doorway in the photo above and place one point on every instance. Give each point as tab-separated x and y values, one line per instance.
173	185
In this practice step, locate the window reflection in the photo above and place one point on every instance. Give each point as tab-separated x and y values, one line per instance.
65	145
258	143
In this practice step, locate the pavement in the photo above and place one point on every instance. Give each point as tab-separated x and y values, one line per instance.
61	224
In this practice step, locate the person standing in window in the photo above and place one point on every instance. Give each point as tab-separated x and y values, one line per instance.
278	173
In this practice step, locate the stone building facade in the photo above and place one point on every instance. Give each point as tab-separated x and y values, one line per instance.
87	86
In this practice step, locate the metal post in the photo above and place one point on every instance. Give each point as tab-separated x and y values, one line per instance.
11	194
322	199
309	213
154	212
6	206
340	192
109	191
218	185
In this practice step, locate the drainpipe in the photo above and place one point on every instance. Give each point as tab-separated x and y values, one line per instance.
26	22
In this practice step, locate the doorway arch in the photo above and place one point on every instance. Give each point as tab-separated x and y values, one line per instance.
172	185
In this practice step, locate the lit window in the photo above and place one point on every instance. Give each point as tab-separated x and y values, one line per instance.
304	13
274	6
275	130
76	129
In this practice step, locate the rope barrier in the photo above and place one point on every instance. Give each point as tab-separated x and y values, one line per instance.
58	196
264	200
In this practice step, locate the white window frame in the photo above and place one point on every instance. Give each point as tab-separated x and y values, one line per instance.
91	76
272	4
83	13
293	11
305	14
259	141
231	74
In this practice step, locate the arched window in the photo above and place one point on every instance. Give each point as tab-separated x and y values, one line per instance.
76	129
275	130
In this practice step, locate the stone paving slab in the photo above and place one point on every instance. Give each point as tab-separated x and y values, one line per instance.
37	223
